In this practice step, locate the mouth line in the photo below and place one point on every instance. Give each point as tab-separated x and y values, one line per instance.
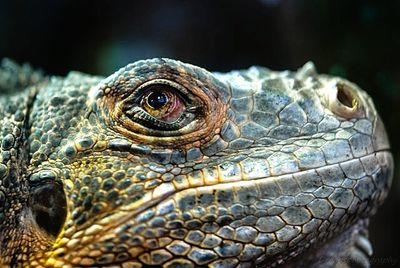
153	202
158	200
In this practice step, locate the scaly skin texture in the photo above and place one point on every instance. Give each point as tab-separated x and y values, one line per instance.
166	164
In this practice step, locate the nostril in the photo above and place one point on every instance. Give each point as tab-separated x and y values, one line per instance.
344	100
345	96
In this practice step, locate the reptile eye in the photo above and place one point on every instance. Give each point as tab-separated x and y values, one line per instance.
49	206
344	101
160	105
162	102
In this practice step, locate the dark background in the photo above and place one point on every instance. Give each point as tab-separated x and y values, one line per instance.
359	40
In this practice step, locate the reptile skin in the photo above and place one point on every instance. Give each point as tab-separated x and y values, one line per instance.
165	164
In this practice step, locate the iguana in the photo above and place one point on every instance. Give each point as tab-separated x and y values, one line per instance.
166	164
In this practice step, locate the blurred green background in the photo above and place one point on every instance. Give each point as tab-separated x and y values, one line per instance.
359	40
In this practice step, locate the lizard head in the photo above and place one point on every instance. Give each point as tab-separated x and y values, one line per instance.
165	163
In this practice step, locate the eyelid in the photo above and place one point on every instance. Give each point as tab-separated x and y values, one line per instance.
143	88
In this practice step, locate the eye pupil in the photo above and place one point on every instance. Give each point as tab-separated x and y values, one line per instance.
157	100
